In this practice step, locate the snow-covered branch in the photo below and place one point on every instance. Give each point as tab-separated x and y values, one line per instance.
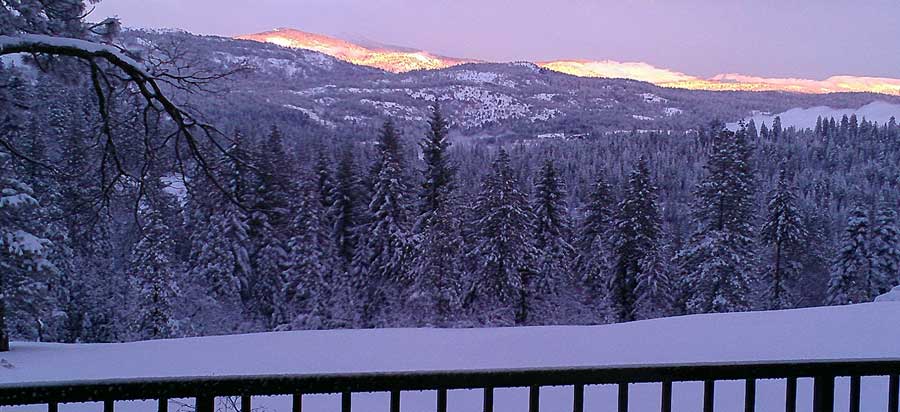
147	84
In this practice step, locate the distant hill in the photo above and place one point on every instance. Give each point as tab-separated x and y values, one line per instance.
313	93
402	59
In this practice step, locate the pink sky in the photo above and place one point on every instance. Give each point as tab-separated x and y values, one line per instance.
772	38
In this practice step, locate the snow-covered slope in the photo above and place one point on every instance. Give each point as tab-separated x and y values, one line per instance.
866	331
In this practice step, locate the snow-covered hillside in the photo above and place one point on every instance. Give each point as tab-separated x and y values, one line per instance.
801	118
866	331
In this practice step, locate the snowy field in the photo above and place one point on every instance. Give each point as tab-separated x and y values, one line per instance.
866	331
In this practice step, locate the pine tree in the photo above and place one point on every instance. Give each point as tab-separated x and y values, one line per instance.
274	187
437	264
635	288
220	252
380	265
312	286
153	266
24	268
886	249
555	252
325	185
595	245
346	208
503	252
718	261
852	273
784	233
776	128
752	133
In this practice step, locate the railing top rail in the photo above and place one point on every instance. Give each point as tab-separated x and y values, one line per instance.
186	386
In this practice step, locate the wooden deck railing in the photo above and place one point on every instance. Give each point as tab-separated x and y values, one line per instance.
205	389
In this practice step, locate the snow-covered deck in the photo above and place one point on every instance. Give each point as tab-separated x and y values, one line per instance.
866	331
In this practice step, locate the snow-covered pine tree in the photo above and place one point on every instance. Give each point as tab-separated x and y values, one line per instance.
885	248
636	287
437	265
220	252
275	188
776	128
153	267
852	272
784	234
503	250
313	286
550	287
595	245
380	274
269	227
346	208
325	184
717	264
752	132
24	268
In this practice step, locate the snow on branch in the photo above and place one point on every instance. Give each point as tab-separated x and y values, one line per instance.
146	82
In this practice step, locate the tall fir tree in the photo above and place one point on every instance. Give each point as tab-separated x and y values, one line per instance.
313	286
552	234
718	262
153	267
852	275
346	208
380	265
437	266
24	267
636	288
220	251
595	246
886	248
503	252
784	234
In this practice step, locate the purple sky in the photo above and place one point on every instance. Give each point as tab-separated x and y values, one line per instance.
799	38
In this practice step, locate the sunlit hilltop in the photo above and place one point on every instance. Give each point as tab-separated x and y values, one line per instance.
398	60
395	60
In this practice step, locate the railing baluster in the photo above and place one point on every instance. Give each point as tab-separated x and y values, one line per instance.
345	401
245	403
578	398
750	395
442	400
395	401
488	399
790	395
623	397
854	393
894	393
534	398
666	401
52	407
204	404
109	405
823	394
709	395
162	405
297	402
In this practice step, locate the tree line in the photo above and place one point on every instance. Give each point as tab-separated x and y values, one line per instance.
299	232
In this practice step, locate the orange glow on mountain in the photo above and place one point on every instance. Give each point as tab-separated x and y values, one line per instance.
386	58
399	60
722	82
